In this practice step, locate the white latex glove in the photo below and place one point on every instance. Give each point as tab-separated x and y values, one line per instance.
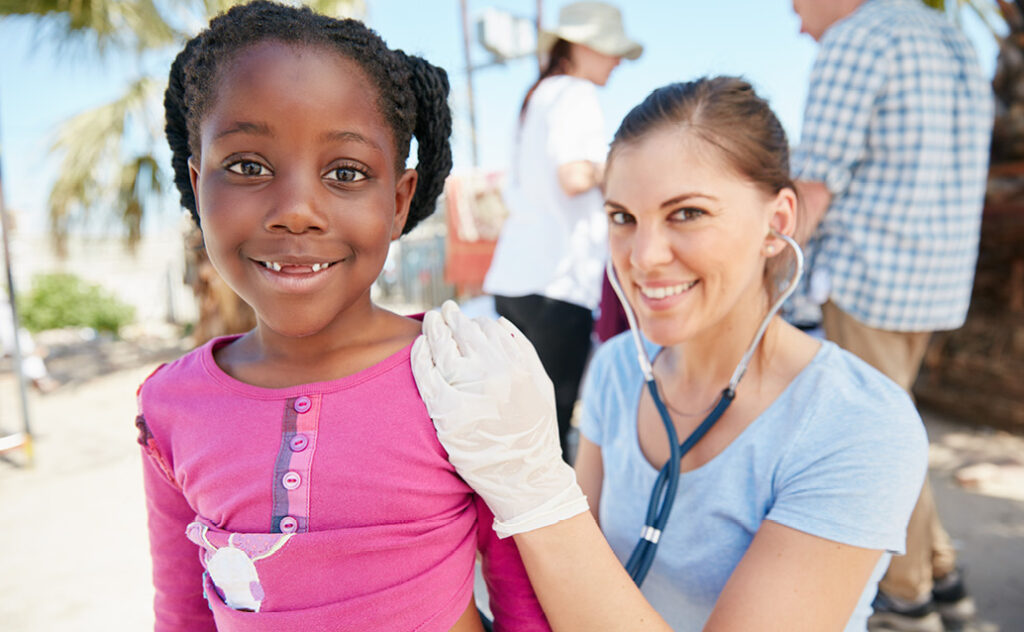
494	409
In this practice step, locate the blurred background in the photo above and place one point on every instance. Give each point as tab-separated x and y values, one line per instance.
110	277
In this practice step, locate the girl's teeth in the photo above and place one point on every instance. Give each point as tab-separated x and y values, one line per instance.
276	267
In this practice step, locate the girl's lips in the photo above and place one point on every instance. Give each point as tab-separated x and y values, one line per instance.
295	277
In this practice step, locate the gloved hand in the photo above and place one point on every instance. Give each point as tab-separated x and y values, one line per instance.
494	409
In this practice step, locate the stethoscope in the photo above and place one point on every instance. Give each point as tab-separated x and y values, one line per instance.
663	493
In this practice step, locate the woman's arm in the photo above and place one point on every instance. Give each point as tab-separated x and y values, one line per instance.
579	176
579	581
792	581
590	473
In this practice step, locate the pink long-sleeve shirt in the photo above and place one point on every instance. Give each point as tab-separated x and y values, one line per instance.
325	506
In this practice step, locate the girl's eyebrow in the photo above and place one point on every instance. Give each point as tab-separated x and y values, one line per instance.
347	136
246	127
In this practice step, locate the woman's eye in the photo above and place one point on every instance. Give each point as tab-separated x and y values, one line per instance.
346	174
248	168
687	213
619	218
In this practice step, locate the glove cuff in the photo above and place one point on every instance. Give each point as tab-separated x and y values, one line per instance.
567	504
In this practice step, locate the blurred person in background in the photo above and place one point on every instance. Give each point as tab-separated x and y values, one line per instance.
548	264
891	170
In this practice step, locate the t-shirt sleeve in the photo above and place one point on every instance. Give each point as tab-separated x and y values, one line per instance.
576	126
593	407
513	603
846	80
855	472
178	604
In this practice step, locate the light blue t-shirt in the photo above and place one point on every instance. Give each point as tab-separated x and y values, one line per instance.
841	454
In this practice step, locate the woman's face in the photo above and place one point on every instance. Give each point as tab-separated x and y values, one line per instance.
591	65
689	237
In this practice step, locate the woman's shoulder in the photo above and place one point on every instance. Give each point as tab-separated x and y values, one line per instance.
839	392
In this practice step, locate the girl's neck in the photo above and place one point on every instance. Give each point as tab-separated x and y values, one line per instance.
265	358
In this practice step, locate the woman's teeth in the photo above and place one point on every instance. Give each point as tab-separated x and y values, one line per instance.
666	290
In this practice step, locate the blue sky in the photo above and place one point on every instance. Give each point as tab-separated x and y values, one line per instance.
759	39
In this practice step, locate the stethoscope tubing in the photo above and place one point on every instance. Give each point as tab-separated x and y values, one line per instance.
663	493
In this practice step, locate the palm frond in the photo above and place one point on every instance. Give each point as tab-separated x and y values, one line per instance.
105	24
93	171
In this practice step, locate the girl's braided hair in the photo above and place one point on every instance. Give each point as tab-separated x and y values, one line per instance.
412	93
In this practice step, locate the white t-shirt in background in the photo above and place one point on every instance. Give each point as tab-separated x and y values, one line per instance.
553	244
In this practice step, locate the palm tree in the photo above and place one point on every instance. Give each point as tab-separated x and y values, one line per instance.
975	371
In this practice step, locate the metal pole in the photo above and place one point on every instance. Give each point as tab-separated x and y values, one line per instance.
26	439
539	22
469	79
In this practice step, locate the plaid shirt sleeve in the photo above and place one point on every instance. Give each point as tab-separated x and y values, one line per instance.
845	82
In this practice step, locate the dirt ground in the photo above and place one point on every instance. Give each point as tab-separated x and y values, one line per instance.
73	548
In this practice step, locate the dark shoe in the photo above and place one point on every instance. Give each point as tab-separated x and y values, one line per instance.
951	599
890	617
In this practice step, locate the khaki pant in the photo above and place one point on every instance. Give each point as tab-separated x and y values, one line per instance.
898	355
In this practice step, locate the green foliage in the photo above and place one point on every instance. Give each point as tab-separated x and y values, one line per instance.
64	300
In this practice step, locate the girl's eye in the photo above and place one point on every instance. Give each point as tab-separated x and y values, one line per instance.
620	218
248	168
686	214
346	174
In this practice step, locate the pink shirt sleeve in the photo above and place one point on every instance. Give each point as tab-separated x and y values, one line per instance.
178	604
513	602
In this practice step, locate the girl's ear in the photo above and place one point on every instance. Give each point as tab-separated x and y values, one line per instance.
782	219
193	176
404	190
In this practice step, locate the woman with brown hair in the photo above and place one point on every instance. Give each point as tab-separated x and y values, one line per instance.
784	514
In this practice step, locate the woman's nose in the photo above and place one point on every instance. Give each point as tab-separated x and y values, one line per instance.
651	247
297	207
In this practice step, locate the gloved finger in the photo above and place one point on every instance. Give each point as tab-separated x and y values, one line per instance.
444	351
422	368
499	336
467	334
524	347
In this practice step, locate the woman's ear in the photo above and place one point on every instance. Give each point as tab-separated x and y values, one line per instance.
404	190
782	220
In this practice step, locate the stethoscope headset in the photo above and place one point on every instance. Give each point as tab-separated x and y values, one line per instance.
663	493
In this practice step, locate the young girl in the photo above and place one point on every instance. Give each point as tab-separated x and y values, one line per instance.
293	478
787	509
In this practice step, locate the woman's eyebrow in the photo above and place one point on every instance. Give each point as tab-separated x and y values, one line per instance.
682	197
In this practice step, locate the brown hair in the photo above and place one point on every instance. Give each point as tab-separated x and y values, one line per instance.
728	116
559	62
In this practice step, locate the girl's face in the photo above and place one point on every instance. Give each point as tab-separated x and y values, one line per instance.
296	185
689	237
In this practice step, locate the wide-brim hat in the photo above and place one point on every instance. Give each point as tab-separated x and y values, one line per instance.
593	24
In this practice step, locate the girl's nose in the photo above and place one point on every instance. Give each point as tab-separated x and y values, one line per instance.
650	247
296	206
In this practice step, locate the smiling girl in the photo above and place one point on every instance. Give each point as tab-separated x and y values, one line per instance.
293	477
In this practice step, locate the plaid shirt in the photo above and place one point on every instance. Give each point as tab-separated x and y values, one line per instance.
897	126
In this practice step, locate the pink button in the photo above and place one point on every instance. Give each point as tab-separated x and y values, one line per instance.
302	404
291	480
298	443
288	524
